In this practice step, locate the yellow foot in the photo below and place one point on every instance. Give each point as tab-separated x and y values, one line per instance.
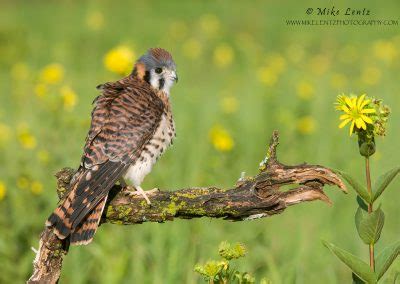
137	190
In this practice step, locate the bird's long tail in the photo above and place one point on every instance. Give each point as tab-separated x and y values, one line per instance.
84	233
79	214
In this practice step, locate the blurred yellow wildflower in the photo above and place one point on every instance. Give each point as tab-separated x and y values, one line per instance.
43	156
22	182
305	90
52	73
192	48
356	111
385	50
276	62
5	133
178	30
338	81
95	20
320	64
36	187
220	138
26	138
267	76
69	97
229	104
20	71
223	55
306	124
2	190
209	24
371	75
120	60
40	90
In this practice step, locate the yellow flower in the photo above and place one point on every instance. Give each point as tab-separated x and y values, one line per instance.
356	112
69	97
221	139
306	125
371	75
95	20
36	187
25	138
305	90
20	71
52	73
209	24
22	182
276	62
386	51
223	55
229	104
192	48
2	190
267	76
40	90
120	60
5	133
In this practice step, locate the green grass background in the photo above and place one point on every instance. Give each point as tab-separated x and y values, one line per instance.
285	248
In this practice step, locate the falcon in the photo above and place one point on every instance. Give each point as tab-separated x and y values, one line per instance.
132	125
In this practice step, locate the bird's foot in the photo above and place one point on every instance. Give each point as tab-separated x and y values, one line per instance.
139	191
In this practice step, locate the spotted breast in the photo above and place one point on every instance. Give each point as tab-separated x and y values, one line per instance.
162	139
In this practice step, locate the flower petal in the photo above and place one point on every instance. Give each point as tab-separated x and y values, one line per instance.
363	125
352	127
360	100
366	119
364	103
348	101
354	101
345	109
344	116
368	110
359	123
344	122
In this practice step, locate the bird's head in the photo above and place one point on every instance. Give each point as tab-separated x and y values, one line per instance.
157	68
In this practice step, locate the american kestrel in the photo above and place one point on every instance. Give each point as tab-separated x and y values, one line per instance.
131	127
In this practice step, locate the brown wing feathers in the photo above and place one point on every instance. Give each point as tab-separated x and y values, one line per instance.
124	119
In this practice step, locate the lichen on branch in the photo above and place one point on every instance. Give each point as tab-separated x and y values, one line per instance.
256	197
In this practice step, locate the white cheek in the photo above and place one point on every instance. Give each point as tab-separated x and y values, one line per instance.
167	85
154	80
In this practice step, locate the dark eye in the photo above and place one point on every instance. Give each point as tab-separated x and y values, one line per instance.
158	70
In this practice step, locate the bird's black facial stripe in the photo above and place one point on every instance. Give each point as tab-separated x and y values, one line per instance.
147	77
161	83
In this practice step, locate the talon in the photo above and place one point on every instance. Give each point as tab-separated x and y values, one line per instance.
136	191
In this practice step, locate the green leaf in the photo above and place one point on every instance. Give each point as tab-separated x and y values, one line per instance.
383	181
356	279
362	203
369	226
359	188
386	258
359	267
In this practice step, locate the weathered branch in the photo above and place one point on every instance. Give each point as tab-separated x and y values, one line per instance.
250	198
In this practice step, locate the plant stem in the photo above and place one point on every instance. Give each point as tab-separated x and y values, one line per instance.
371	246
